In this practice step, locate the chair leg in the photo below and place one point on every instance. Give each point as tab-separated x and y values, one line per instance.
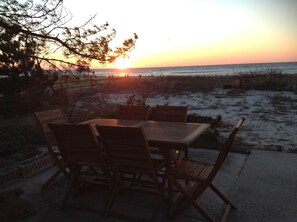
68	192
189	199
222	196
111	196
155	210
180	203
160	188
226	213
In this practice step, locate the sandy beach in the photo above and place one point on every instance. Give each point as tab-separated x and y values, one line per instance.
270	114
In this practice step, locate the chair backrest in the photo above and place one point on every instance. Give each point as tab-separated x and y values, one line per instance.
226	148
139	112
126	148
170	113
50	116
77	143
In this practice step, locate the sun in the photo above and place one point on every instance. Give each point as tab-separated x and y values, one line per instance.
122	63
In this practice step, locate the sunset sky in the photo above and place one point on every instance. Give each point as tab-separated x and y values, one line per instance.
197	32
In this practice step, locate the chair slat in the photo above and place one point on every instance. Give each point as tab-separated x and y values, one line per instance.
170	113
140	112
44	118
127	150
82	154
77	138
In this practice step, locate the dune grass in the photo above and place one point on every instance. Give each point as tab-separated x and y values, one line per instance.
176	84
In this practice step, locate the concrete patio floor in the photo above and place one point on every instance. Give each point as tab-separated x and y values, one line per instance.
262	184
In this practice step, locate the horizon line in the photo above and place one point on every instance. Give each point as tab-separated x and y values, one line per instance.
222	64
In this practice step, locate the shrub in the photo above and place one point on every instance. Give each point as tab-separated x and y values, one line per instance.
20	137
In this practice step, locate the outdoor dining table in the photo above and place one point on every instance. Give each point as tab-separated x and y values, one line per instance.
166	136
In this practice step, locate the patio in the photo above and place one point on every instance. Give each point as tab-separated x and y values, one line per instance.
261	184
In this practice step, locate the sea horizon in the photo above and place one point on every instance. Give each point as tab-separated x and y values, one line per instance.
224	69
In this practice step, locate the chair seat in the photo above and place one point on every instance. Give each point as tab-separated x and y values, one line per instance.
157	164
191	170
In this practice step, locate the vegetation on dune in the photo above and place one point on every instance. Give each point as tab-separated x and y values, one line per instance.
259	80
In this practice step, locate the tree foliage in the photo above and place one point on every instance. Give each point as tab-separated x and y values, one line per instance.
35	36
33	31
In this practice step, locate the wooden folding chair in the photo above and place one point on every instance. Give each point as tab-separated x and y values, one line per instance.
128	152
139	112
84	158
52	116
170	113
202	174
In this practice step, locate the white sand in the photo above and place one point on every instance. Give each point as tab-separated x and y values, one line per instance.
271	117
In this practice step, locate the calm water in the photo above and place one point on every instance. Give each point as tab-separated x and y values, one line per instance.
287	67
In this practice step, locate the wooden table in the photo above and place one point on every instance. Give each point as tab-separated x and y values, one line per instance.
167	134
164	135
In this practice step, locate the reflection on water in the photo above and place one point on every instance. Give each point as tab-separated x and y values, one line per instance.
286	67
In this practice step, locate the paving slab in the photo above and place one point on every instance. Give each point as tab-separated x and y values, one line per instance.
262	184
266	188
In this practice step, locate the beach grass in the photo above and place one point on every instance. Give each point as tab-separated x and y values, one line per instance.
178	84
269	79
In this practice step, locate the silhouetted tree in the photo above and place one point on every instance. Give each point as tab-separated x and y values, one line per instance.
34	35
39	31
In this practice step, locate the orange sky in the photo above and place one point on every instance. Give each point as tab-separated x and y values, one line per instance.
198	32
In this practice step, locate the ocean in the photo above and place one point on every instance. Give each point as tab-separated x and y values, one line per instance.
230	69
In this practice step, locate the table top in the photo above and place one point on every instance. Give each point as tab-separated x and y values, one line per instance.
160	133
